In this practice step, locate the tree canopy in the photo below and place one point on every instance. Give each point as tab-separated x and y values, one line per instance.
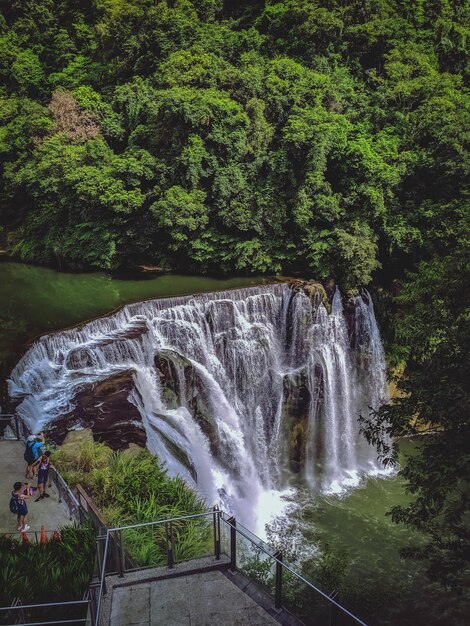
259	136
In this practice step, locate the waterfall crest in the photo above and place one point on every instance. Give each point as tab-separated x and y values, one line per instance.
237	390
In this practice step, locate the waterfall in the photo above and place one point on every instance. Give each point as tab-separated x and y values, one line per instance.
237	390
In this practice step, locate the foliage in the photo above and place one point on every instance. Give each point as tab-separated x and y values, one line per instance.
434	400
133	488
315	136
57	571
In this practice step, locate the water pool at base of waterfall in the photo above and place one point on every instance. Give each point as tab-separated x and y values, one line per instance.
351	536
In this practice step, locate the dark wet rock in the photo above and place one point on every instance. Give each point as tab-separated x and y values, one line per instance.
317	294
315	291
349	312
182	385
295	416
177	452
103	407
298	403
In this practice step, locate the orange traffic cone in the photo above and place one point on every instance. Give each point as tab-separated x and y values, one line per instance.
24	534
56	535
43	538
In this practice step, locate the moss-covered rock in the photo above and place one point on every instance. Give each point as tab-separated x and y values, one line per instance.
317	293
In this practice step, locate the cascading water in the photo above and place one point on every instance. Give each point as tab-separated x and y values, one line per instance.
225	383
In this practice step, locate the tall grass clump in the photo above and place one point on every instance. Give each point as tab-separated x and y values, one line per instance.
132	488
78	464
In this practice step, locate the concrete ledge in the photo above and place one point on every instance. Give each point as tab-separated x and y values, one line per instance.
195	566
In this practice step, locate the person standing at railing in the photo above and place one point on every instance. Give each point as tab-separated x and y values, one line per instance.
43	474
18	505
32	454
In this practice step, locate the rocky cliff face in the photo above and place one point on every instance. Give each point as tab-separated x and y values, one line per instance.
105	409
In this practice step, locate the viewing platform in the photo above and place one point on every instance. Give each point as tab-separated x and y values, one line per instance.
237	579
198	593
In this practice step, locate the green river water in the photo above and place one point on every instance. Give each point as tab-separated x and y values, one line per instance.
37	300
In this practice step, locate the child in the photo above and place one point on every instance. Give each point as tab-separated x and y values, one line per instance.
44	464
21	507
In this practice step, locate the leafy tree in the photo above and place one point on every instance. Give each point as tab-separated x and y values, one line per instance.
180	213
434	400
27	72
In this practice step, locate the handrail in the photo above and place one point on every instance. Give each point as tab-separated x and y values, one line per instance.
60	622
216	513
47	605
287	567
64	490
35	606
163	521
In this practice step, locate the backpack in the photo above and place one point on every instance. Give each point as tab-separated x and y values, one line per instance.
28	453
14	505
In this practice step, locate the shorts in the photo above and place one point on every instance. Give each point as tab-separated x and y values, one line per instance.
22	509
42	477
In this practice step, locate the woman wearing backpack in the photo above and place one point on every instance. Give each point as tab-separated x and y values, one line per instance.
18	505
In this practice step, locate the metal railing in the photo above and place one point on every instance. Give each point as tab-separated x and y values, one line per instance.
12	427
248	555
66	494
31	614
266	567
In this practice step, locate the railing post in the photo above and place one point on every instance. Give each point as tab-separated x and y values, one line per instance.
169	544
278	591
233	543
117	555
123	554
92	602
101	563
57	481
333	610
216	522
17	428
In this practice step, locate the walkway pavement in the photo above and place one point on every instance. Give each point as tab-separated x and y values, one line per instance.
48	512
204	599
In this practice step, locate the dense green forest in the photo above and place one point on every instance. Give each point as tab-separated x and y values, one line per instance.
328	137
322	136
